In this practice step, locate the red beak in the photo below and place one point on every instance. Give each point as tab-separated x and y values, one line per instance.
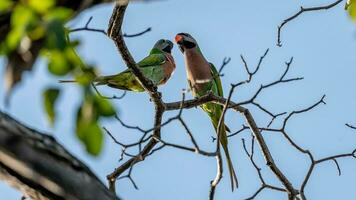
178	38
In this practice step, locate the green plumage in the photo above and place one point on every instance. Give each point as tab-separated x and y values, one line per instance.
215	111
157	66
204	78
151	67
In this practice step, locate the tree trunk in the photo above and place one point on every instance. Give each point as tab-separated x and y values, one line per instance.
41	168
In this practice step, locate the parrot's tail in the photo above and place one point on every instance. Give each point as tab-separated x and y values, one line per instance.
114	82
233	177
223	141
102	80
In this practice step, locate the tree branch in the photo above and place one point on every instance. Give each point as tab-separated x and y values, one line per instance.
301	11
253	127
41	168
115	33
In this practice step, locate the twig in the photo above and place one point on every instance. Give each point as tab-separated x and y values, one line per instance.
279	81
302	10
218	176
224	63
251	74
86	28
137	34
253	127
258	169
350	126
219	172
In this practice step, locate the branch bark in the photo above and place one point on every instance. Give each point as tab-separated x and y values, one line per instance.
292	192
41	168
115	33
302	10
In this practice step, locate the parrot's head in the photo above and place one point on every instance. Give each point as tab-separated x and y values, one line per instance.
164	45
185	41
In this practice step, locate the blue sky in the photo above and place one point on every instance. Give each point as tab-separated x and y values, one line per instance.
322	44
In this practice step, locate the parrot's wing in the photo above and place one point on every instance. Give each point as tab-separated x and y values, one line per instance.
149	61
216	78
152	60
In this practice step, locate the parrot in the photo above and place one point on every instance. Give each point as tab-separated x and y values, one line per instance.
204	78
158	66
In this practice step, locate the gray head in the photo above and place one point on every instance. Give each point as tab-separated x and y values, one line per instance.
164	45
185	41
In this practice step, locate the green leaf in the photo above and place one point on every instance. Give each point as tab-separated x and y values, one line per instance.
58	63
62	14
94	139
50	98
37	32
56	35
86	114
41	6
90	134
21	16
104	107
352	9
14	38
21	19
5	4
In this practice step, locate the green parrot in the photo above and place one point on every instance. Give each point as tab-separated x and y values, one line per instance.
158	66
203	78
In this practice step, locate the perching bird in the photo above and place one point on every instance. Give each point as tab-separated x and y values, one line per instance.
158	66
203	78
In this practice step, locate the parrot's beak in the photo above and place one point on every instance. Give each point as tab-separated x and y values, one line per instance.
168	46
179	39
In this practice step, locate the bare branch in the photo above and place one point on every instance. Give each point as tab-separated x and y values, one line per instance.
129	176
137	34
237	132
350	126
258	169
301	11
115	33
86	28
150	140
279	81
218	176
224	63
251	74
253	127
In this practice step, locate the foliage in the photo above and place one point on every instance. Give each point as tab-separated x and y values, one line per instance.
42	20
351	7
50	96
